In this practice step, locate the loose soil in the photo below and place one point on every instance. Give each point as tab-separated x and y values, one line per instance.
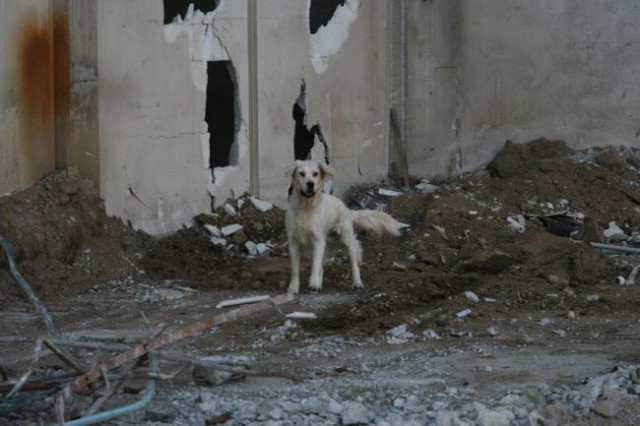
559	313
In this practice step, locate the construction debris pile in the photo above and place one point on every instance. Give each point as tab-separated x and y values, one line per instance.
511	299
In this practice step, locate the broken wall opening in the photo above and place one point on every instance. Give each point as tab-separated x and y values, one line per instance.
321	12
174	8
222	114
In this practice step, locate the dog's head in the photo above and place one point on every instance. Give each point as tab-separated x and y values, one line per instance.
307	177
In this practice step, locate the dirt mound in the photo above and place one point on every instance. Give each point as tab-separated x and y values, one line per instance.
461	235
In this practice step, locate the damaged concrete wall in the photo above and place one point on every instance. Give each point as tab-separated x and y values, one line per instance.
481	72
555	69
153	135
177	105
27	148
343	65
165	80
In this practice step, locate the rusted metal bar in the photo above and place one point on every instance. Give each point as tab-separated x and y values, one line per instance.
170	337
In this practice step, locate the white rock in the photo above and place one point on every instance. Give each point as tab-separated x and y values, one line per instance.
464	313
219	241
231	211
545	322
593	298
430	334
472	296
261	205
426	187
230	229
499	417
389	192
612	230
492	331
213	230
517	223
251	248
445	418
354	414
399	402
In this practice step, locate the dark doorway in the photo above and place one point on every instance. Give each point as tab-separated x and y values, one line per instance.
221	113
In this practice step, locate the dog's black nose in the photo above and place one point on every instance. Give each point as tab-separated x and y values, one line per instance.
310	185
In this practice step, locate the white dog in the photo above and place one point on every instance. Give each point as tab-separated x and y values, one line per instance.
312	215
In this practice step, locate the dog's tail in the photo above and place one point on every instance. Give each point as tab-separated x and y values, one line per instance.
379	223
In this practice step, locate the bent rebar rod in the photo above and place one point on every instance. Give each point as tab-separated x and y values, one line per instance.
126	409
27	289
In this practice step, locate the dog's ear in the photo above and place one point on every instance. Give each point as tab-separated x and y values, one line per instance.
294	169
326	170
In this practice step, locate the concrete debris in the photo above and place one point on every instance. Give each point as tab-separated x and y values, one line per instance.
545	322
614	232
426	187
430	334
213	230
231	229
261	205
492	331
472	296
593	298
301	315
254	249
441	231
389	192
230	210
399	335
632	276
560	332
218	241
242	301
464	313
517	223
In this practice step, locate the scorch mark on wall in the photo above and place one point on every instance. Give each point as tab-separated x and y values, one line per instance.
328	37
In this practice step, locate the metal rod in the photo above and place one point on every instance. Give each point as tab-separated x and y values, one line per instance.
27	289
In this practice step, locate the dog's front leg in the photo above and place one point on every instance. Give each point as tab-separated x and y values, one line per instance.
315	280
294	257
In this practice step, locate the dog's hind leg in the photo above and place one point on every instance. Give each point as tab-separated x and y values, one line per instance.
294	257
355	255
315	280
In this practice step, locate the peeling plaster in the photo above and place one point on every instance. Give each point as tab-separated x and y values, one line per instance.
328	40
205	44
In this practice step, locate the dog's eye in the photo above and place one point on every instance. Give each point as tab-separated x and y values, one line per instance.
315	174
301	174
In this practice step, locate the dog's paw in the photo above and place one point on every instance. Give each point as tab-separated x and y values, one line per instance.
315	284
294	287
358	285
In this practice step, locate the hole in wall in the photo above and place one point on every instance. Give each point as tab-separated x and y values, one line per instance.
321	12
173	8
222	113
303	136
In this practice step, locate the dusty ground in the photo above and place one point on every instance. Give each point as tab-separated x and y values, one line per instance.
549	311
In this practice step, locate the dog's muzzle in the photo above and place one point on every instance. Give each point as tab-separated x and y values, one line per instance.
308	190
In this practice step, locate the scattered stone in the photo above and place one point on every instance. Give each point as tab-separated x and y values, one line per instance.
355	414
230	229
261	205
472	296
